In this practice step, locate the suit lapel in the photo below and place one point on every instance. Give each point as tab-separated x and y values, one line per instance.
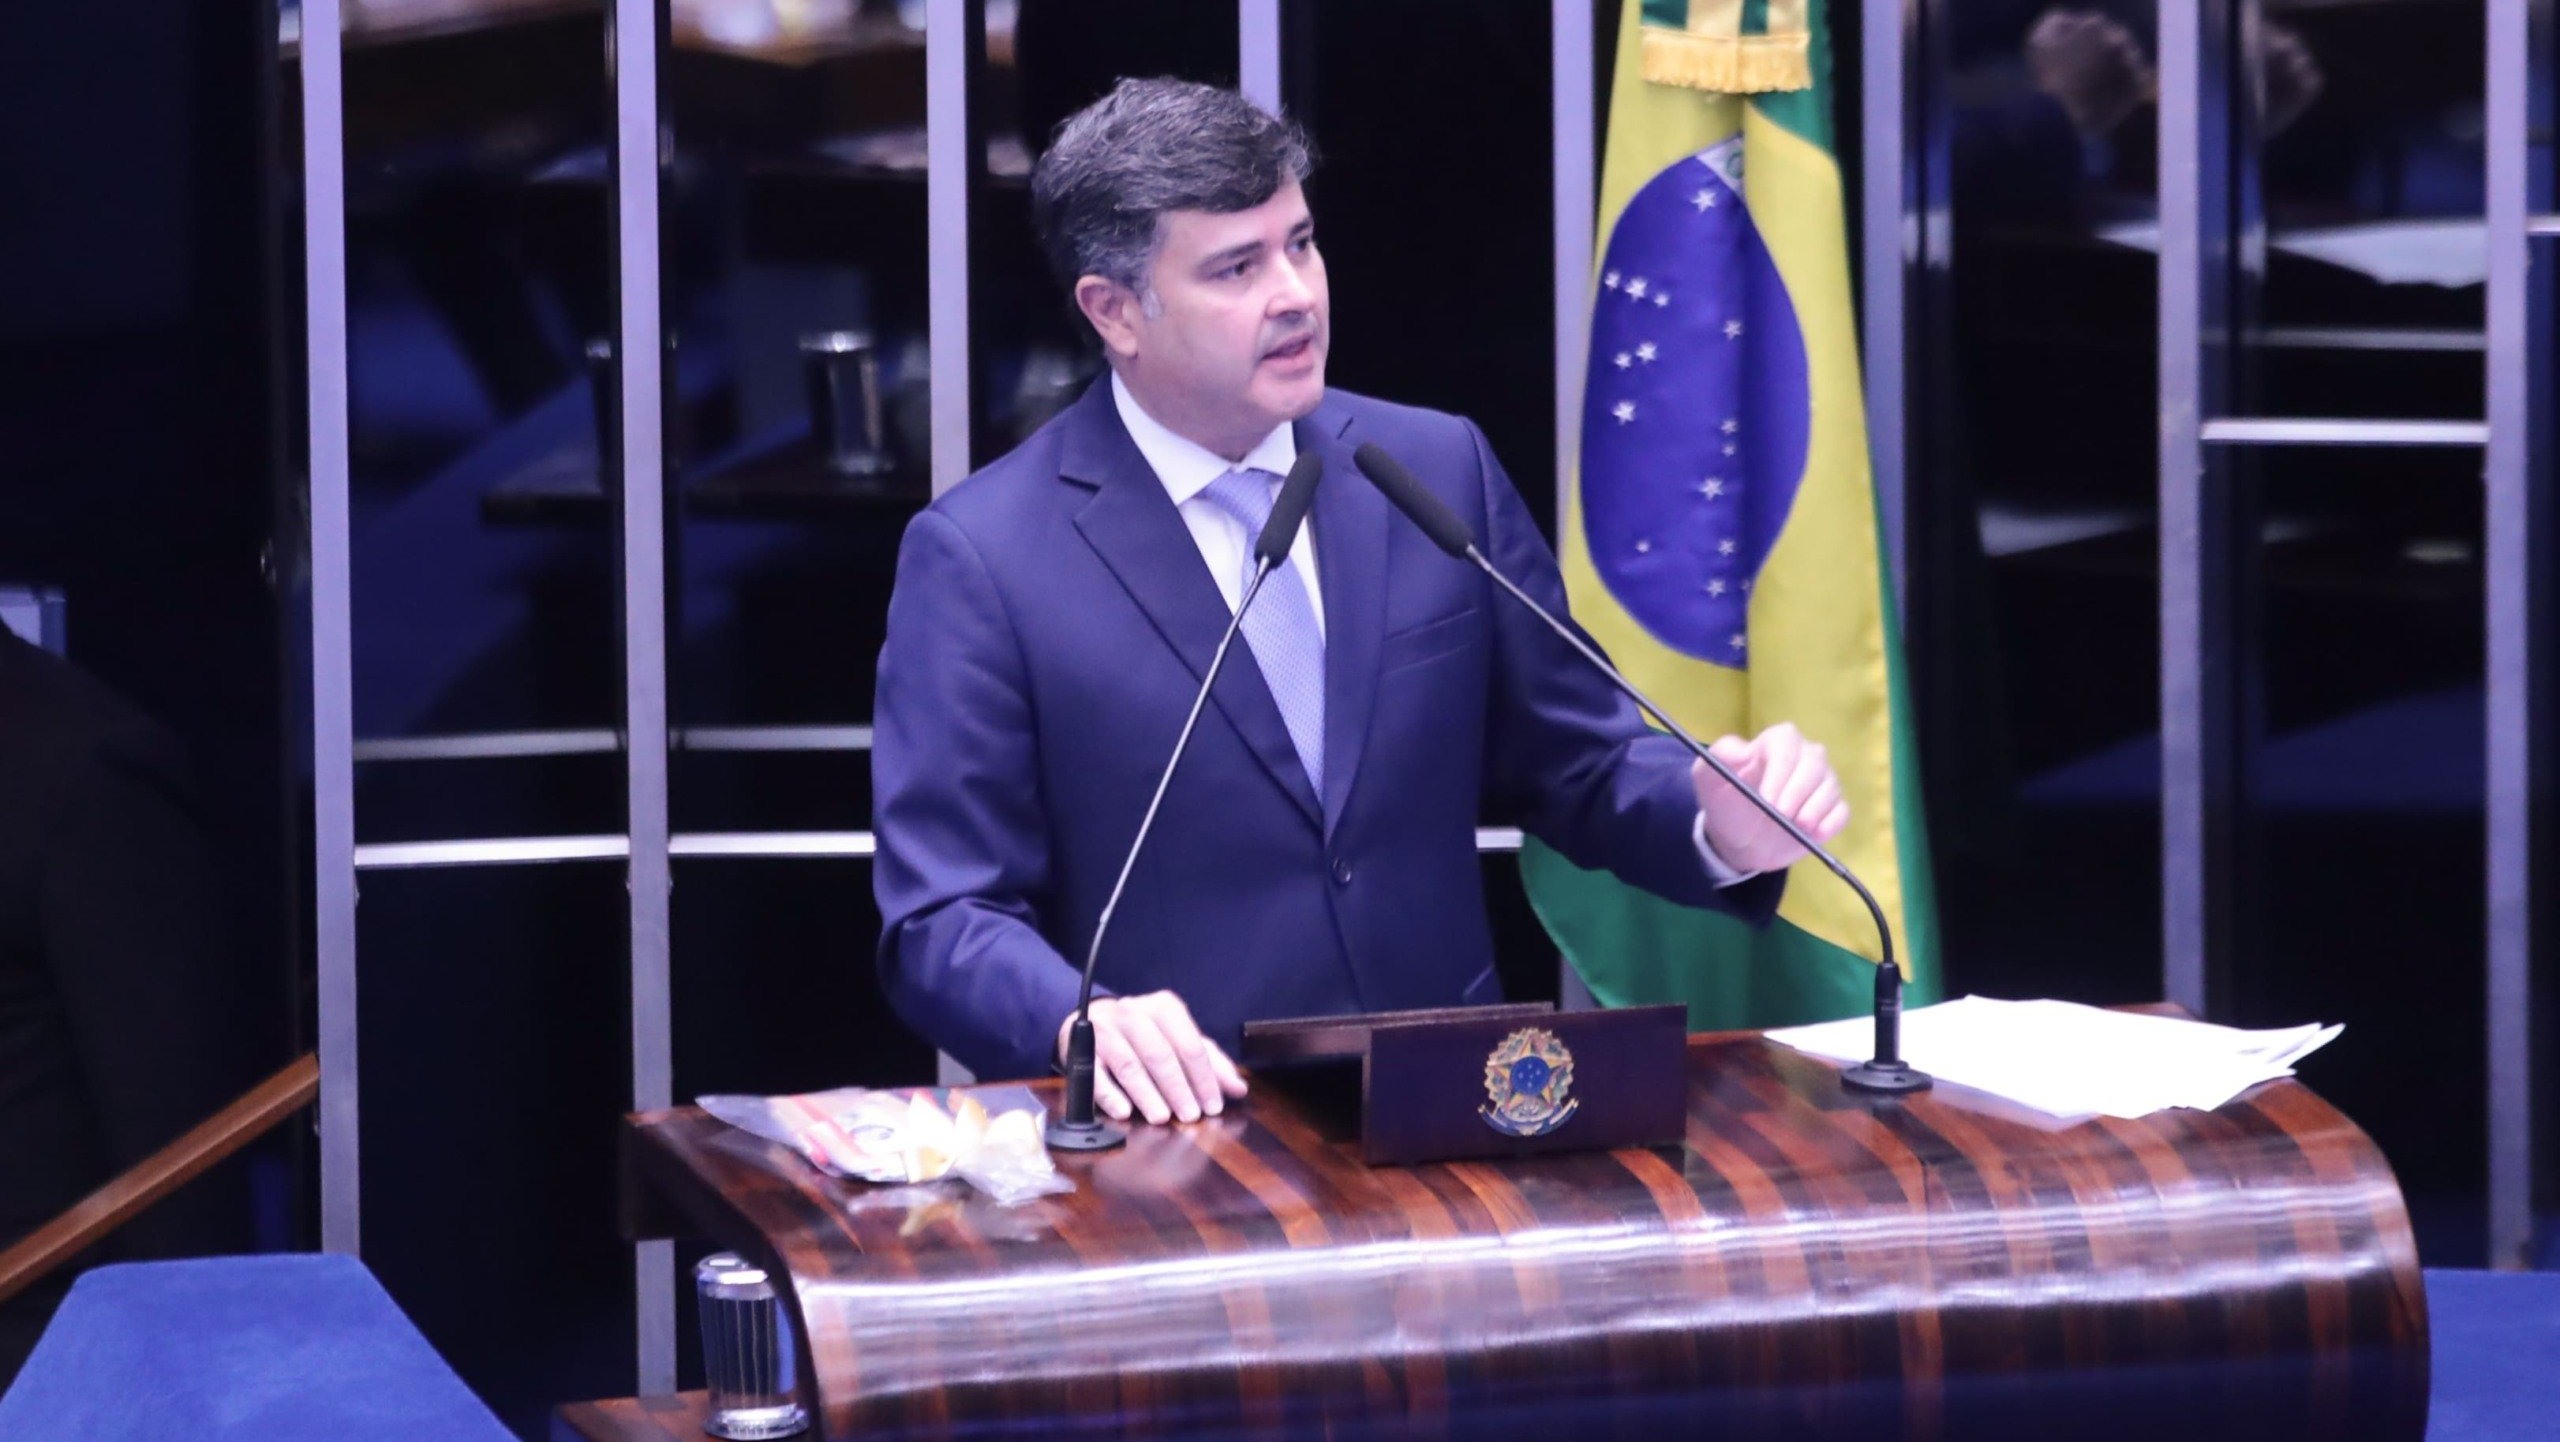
1134	527
1351	564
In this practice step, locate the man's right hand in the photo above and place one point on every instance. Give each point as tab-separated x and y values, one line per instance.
1148	1051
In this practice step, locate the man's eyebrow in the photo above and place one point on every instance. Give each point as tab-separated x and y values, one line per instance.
1229	256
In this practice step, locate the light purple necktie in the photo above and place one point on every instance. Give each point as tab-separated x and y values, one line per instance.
1281	627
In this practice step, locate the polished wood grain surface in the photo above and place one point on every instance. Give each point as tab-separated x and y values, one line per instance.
1810	1263
634	1419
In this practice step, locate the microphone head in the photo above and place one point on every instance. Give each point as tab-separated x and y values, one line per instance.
1289	511
1414	499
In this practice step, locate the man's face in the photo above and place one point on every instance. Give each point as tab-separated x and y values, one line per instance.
1233	342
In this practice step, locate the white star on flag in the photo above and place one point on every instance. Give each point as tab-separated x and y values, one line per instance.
1733	330
1625	360
1646	352
1644	548
1725	546
1662	297
1635	287
1730	426
1730	450
1715	588
1704	200
1712	487
1625	411
1610	280
1737	640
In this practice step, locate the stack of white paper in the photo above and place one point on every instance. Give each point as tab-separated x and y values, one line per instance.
2069	1060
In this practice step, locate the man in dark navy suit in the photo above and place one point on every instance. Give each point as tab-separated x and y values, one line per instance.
1054	613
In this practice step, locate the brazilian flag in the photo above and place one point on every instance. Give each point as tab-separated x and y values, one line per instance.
1719	534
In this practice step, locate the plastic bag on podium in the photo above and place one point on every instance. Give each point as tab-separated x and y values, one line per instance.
986	1136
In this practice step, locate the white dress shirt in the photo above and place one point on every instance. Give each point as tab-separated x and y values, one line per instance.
1186	468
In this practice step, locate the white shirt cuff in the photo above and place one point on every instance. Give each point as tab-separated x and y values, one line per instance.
1719	870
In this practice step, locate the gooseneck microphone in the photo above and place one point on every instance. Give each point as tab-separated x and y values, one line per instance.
1080	1128
1886	1071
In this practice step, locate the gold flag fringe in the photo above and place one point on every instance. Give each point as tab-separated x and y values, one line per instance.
1728	64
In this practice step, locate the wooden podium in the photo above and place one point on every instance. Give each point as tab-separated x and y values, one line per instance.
1811	1263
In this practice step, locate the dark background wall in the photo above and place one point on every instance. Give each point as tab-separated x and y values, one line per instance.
139	400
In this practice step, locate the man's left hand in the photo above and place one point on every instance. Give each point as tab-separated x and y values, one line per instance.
1796	776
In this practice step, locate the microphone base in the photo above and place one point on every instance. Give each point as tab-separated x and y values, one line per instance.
1886	1079
1093	1136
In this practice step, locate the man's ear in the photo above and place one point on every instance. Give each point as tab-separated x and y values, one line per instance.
1114	311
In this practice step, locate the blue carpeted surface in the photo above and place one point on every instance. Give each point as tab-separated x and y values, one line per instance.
277	1348
2497	1356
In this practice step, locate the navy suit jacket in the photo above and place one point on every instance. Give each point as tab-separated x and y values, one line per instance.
1051	621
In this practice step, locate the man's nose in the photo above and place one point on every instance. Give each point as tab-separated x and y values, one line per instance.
1290	292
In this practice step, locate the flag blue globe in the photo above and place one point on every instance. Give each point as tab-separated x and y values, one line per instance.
1697	414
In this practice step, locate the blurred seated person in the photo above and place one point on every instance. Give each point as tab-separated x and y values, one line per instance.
121	1016
2040	135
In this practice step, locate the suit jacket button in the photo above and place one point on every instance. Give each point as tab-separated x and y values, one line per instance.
1341	872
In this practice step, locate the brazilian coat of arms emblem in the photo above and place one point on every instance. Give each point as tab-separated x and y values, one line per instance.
1528	1084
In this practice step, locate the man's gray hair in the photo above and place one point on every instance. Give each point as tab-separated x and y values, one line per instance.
1148	147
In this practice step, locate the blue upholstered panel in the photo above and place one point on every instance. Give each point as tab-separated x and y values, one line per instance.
2497	1356
277	1348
